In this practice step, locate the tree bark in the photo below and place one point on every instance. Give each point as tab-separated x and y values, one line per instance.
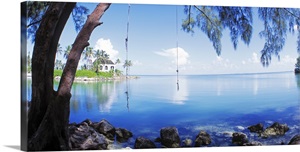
43	58
80	43
49	112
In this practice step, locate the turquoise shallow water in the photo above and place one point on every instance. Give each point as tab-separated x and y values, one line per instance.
215	103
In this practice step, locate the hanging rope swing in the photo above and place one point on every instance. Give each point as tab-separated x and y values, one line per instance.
177	69
126	46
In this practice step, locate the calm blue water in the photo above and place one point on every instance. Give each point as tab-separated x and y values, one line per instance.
215	103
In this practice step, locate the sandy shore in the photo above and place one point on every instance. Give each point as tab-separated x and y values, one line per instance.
86	79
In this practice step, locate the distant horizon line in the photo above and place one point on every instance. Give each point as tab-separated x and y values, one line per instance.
248	73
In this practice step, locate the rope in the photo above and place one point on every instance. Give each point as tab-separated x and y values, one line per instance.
126	45
126	39
177	70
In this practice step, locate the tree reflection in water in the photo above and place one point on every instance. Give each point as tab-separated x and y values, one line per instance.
298	80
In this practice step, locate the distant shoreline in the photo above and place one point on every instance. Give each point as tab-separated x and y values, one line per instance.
217	74
137	76
94	79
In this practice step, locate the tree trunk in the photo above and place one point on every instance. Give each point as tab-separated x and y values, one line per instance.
43	58
80	43
49	112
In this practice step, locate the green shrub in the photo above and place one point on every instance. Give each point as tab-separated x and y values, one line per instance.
85	73
57	73
105	74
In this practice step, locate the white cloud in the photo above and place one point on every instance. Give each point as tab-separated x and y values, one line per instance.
106	45
287	59
137	63
223	63
254	58
172	54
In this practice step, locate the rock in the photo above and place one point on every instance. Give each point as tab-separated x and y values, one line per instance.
239	138
143	143
295	140
157	139
88	121
123	135
253	143
170	137
105	128
258	128
202	139
84	137
187	142
275	130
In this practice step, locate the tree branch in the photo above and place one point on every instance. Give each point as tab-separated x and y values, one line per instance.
291	13
80	43
205	16
33	23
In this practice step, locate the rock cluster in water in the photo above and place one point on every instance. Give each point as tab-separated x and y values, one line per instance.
276	129
89	135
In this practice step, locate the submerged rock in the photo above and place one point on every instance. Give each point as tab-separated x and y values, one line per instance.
105	128
170	137
84	137
239	138
143	143
187	142
295	140
258	128
202	139
253	143
123	135
275	130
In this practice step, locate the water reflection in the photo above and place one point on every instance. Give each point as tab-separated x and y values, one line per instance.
298	80
88	96
180	96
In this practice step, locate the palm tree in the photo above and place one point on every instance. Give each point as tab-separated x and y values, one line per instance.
118	61
101	56
88	54
67	51
127	65
59	49
297	65
118	72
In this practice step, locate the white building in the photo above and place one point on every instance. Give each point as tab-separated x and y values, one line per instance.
106	65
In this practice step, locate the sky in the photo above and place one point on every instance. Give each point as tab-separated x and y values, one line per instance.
153	40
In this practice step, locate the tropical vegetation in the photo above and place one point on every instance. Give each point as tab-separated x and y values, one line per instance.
48	116
297	65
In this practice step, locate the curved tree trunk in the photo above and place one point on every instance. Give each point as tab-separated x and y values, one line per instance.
80	43
43	57
49	112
